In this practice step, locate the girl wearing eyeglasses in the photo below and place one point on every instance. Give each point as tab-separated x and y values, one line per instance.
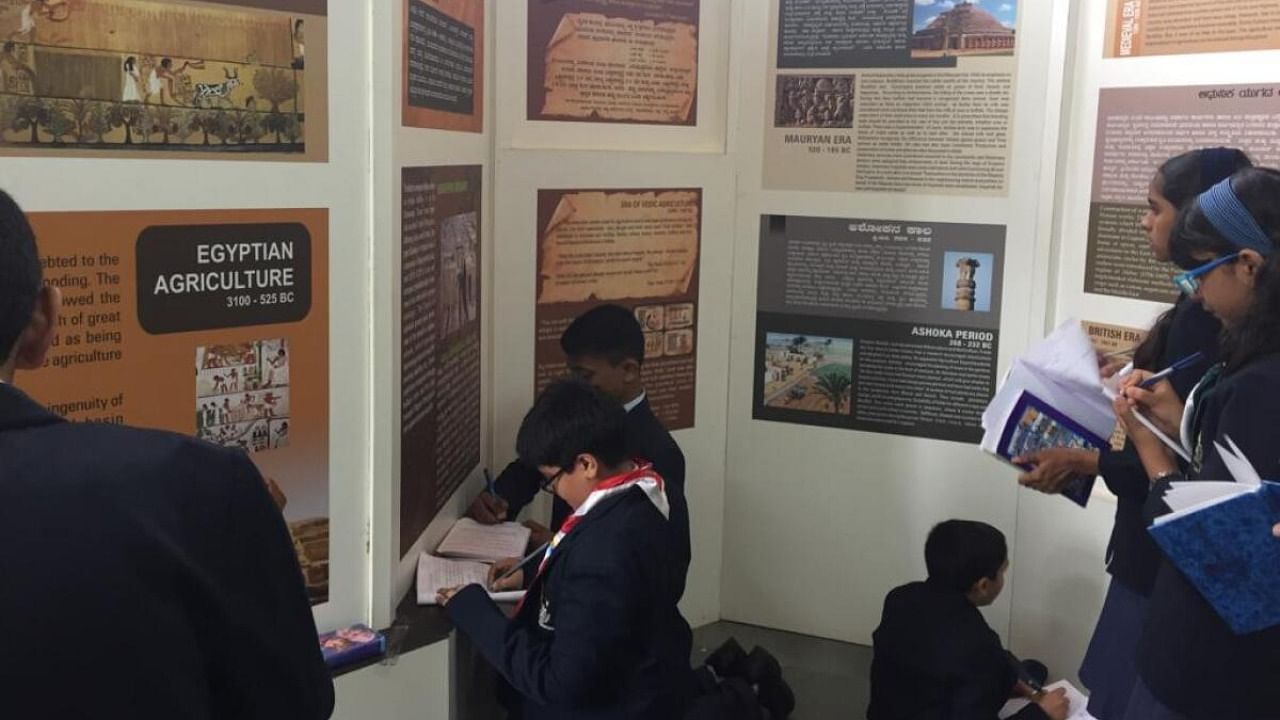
1190	664
1132	556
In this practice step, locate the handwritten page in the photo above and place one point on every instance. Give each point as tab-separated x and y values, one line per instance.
436	573
469	540
1077	701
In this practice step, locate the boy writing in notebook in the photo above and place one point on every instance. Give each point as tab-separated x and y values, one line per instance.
598	635
605	348
935	655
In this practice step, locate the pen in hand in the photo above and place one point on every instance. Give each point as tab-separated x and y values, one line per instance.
1187	361
524	561
488	482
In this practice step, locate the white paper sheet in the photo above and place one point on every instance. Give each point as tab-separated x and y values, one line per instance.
436	573
470	540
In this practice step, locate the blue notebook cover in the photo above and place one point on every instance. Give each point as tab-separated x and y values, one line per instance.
1228	552
351	645
1036	425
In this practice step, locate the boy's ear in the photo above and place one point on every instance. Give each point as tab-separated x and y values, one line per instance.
631	369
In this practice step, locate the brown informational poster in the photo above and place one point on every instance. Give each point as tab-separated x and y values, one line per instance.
439	339
1176	27
443	85
621	61
1117	344
635	248
229	79
890	96
1140	128
883	326
208	323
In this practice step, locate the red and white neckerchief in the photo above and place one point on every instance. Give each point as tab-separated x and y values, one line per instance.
642	476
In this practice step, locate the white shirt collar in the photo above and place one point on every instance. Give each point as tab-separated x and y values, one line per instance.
634	403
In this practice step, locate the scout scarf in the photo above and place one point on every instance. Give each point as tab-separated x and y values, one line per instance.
642	477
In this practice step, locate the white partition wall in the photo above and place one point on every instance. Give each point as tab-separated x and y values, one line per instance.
396	147
820	523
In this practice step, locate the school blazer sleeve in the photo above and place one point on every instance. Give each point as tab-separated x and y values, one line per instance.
983	688
669	463
593	618
270	665
1123	472
518	485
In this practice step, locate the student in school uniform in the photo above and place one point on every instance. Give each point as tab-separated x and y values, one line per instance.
604	347
1190	664
598	635
1132	556
935	656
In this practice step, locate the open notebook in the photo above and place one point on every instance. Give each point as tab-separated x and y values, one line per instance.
435	573
1079	703
469	540
1219	536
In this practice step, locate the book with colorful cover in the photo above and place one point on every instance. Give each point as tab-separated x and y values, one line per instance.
1036	425
351	645
1219	535
1053	396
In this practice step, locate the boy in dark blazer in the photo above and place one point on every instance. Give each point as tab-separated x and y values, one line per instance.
598	635
935	655
604	347
143	574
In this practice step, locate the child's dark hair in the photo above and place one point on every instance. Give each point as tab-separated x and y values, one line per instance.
20	274
1181	179
1195	238
606	331
570	418
959	553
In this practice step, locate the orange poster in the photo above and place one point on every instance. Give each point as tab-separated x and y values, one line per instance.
211	323
443	78
1183	27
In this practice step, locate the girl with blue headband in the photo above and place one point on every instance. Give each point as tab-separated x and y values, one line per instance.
1190	664
1132	556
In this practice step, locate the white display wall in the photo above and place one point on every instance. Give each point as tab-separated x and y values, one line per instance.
821	523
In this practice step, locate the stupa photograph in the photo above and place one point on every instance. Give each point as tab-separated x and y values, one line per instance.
966	29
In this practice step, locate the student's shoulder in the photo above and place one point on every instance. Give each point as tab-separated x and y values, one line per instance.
140	450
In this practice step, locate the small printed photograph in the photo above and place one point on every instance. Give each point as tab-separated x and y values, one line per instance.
678	342
965	28
679	316
653	345
966	281
1037	430
242	394
459	282
810	373
279	433
652	318
814	101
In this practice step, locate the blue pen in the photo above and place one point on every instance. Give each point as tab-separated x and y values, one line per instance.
488	482
1187	361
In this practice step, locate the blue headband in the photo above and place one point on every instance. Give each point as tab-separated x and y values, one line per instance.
1229	216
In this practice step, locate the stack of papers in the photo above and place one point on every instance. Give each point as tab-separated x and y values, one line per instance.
465	555
1052	397
435	573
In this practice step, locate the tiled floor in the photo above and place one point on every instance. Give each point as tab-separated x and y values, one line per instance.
831	679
